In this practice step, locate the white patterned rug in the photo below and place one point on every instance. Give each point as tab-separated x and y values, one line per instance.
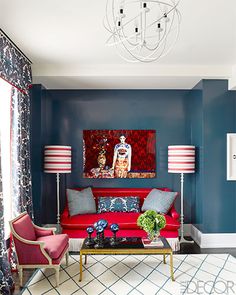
139	274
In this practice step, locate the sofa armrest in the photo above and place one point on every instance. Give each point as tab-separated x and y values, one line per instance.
65	213
173	213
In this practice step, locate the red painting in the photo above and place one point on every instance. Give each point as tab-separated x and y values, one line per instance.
119	153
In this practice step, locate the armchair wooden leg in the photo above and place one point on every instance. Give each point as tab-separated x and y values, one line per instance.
57	268
67	258
20	271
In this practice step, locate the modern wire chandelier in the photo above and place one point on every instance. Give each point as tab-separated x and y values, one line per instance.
142	30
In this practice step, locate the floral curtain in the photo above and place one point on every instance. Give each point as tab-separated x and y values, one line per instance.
14	67
20	153
6	281
16	70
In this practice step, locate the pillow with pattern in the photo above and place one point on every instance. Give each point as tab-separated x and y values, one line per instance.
118	204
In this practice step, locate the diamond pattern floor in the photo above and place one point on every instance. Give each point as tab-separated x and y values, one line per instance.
137	275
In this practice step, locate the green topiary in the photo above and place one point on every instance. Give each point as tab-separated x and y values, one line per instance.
151	222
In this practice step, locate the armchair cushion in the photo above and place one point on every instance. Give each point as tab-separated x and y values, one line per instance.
42	232
54	244
24	228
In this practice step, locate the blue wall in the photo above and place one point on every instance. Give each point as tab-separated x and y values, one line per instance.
195	130
69	112
219	195
212	114
178	116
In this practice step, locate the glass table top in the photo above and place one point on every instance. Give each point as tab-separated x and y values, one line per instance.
124	243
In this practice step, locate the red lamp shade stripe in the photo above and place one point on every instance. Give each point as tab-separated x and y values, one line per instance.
57	159
181	159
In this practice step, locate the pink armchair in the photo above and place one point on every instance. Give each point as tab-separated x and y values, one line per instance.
37	247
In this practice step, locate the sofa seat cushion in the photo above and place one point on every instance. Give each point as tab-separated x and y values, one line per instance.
54	244
123	219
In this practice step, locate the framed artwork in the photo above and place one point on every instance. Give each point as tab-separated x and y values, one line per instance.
231	156
119	153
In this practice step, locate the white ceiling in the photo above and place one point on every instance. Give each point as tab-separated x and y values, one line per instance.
66	42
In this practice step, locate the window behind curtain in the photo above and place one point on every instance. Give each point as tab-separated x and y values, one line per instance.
5	141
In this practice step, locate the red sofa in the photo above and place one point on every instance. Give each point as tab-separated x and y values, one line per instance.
75	226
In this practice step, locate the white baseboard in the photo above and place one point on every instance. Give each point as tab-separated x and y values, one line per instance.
187	230
216	240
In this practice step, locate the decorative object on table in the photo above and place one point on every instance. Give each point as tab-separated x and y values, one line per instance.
95	227
57	159
104	224
100	237
90	241
114	228
95	224
231	156
181	159
147	243
152	223
122	149
142	31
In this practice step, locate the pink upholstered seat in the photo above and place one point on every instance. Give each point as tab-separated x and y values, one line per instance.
37	247
54	245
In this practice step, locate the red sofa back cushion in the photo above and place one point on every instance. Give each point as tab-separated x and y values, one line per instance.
123	192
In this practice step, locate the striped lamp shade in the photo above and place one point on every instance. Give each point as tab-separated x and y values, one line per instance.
57	159
181	159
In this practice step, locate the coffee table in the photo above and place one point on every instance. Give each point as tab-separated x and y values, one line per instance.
128	246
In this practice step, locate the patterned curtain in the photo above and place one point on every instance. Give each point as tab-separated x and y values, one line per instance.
14	67
20	153
6	281
16	70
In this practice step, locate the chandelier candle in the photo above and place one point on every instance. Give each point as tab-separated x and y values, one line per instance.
155	31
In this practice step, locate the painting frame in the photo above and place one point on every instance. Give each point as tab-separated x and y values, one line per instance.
231	156
119	153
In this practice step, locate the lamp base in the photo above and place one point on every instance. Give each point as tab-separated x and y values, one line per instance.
59	229
182	240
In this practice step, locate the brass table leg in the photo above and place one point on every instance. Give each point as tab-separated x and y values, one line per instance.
85	260
81	267
164	258
171	267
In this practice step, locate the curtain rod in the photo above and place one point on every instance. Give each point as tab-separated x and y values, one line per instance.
14	45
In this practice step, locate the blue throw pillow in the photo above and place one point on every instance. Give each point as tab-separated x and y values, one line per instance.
81	202
118	204
158	200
